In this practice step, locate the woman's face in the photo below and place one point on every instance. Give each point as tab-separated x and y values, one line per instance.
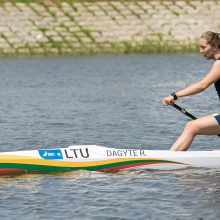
206	49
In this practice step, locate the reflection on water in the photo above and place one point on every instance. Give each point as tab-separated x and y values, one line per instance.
105	194
114	101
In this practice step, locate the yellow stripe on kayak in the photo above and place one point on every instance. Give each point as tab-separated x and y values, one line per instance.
62	163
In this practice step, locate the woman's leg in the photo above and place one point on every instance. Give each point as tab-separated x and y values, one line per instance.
206	125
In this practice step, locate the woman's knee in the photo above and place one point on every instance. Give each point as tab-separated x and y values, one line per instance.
191	128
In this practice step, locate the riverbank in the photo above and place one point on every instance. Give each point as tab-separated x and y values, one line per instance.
88	27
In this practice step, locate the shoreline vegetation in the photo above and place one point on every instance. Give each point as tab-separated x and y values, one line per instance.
116	48
55	27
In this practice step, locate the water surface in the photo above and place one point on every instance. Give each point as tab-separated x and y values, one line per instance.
114	101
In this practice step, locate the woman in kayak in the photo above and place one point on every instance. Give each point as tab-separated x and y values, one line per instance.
209	44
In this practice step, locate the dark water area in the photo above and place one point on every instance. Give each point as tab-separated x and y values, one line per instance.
113	101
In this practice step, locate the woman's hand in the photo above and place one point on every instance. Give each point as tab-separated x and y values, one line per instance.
169	100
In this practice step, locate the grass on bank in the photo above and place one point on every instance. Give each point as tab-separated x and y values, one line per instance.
57	48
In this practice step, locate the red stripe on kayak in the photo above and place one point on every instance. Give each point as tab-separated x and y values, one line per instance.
12	170
121	167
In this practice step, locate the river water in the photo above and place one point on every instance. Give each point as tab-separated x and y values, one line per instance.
114	101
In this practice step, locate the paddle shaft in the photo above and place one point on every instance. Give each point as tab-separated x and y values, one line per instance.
185	112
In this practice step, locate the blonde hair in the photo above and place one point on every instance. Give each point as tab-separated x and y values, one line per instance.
212	38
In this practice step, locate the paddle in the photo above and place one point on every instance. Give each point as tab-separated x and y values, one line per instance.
183	110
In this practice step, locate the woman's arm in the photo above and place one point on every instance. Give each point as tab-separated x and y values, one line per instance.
210	78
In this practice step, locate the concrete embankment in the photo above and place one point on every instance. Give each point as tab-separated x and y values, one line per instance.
76	27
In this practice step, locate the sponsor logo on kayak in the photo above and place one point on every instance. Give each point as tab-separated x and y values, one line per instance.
52	154
77	153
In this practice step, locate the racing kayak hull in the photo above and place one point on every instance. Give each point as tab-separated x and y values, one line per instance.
102	159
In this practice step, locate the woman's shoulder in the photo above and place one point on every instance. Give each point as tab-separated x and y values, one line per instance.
216	67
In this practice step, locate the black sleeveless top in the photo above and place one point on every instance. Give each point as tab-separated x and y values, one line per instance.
217	85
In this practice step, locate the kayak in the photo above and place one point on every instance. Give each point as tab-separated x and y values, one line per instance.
103	159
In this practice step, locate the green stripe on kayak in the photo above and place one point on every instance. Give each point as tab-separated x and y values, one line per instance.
48	169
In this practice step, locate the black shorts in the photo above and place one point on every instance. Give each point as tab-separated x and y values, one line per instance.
217	117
